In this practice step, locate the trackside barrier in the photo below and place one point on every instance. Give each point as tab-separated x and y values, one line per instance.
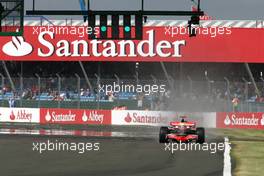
254	120
24	115
150	118
75	116
159	118
205	119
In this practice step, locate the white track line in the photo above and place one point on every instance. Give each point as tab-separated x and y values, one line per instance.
227	159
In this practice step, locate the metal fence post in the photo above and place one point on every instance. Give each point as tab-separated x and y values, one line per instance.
118	82
136	72
98	92
228	93
152	106
190	85
59	90
39	92
3	84
21	90
173	83
78	90
208	83
246	93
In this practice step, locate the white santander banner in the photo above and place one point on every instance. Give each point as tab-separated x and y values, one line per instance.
160	118
26	115
202	119
151	118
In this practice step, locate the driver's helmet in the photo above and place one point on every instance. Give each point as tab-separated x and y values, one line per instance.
183	118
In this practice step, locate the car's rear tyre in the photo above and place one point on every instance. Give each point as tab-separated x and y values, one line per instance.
163	134
201	135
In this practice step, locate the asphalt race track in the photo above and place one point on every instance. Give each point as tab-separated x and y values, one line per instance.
140	154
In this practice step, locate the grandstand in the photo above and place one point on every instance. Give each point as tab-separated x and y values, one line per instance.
192	90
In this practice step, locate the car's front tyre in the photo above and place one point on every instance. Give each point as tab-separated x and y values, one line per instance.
163	134
201	135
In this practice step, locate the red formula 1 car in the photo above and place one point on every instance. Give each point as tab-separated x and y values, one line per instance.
182	131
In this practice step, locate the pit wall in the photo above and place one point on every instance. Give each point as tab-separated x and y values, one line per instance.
126	117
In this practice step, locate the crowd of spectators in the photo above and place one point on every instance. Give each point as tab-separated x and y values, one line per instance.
221	91
201	90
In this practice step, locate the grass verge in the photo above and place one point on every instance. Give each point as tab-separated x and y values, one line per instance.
247	151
